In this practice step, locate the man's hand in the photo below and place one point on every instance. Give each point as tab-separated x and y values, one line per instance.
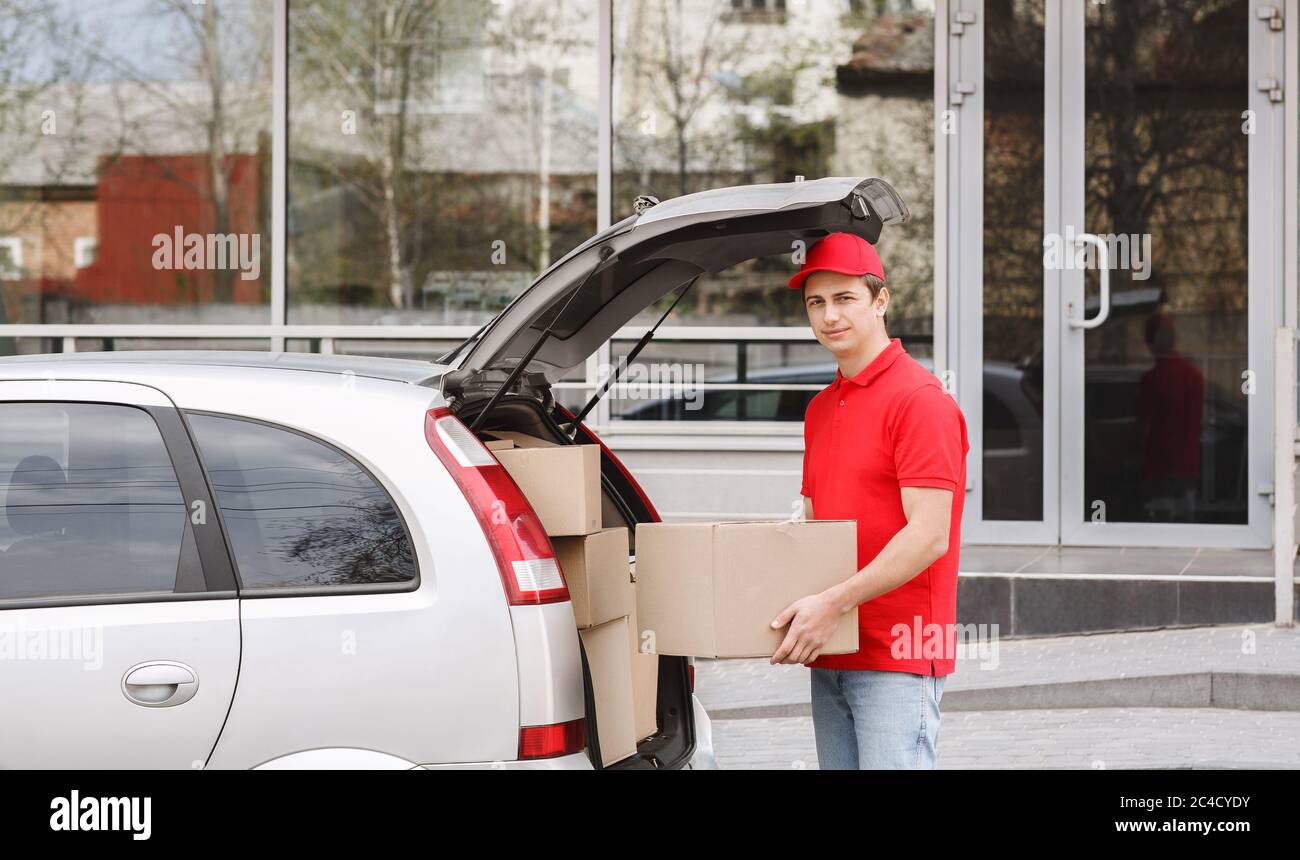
915	547
812	620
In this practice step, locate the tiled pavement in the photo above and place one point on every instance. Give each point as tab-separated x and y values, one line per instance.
1077	738
760	710
727	684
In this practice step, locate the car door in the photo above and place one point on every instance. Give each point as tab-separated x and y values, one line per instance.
119	619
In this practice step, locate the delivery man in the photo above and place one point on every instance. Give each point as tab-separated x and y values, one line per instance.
885	445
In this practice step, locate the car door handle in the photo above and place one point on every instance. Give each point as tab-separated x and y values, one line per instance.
160	684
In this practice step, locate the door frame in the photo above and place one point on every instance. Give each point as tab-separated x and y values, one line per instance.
965	99
1063	520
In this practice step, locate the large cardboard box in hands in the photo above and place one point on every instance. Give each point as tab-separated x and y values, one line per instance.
561	482
610	663
712	589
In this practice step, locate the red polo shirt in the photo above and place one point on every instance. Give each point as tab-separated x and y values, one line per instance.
865	438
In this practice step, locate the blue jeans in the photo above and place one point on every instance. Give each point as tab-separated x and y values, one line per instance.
867	720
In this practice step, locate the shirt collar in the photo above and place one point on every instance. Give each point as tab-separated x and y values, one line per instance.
878	365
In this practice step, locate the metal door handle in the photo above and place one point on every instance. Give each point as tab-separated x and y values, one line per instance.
160	684
1103	295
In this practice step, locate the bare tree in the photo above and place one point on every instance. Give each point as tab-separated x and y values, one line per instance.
532	43
224	48
674	67
41	105
378	57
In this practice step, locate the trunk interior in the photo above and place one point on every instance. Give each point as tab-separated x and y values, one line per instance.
672	746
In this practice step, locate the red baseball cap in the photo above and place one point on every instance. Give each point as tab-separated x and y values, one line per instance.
843	253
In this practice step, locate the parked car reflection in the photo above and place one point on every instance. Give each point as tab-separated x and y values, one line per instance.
1116	453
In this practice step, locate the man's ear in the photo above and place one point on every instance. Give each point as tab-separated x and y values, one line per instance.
882	301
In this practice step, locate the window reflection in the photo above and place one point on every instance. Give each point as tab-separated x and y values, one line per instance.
664	382
299	513
1167	184
440	158
711	94
1012	316
90	504
127	130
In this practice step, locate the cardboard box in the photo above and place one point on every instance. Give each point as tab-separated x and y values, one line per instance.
561	482
596	570
521	440
712	589
610	665
645	676
499	444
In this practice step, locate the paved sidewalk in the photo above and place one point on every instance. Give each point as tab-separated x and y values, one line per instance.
723	685
760	711
1112	738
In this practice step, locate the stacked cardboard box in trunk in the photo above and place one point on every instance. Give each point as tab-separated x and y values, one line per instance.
695	589
596	570
562	483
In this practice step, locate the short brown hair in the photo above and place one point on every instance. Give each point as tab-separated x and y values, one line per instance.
873	284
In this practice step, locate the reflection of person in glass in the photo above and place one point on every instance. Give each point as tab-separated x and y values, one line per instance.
1170	405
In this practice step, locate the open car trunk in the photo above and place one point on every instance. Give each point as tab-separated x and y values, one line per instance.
589	294
674	743
503	378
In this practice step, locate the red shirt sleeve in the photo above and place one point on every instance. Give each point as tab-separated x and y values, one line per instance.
930	444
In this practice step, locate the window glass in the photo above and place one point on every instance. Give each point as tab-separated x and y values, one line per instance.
714	93
89	502
135	161
299	513
439	159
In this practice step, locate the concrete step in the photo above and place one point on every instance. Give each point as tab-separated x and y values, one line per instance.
1053	604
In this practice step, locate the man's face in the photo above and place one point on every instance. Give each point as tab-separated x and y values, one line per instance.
841	311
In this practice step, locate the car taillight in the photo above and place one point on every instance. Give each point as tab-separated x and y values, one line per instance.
552	741
529	570
690	674
618	464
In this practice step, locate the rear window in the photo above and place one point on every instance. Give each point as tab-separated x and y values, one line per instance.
300	513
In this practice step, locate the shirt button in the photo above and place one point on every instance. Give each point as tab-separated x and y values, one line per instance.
841	402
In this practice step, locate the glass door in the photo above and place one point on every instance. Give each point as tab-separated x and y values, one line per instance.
1167	304
1117	216
1004	64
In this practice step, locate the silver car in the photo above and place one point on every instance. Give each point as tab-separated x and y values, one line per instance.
241	560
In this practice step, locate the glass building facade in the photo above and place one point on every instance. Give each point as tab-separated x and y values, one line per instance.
381	178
